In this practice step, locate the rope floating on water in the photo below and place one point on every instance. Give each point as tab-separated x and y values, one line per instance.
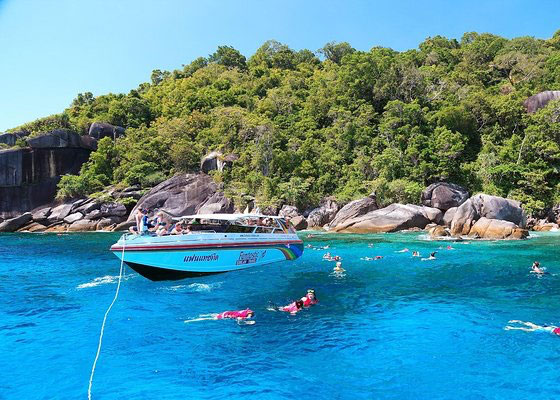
104	321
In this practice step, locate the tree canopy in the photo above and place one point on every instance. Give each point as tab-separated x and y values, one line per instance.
340	122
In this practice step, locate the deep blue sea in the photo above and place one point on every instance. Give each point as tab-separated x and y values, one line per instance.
395	328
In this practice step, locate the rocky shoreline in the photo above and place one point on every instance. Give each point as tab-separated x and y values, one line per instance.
446	211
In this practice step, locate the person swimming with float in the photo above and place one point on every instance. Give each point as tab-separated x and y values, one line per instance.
415	254
240	316
291	308
530	327
537	269
309	299
405	250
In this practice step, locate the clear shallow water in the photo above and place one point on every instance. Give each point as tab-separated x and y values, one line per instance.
396	328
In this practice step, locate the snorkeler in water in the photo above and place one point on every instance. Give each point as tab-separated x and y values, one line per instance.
432	256
291	308
537	269
530	327
240	316
309	299
405	250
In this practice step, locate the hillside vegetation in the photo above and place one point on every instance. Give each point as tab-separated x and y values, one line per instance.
338	122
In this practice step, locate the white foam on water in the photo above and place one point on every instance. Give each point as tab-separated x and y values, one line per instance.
204	287
107	279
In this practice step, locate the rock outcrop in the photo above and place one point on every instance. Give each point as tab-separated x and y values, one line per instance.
448	216
444	195
540	100
491	207
323	214
354	209
216	161
497	229
29	176
100	130
13	224
288	211
395	217
185	194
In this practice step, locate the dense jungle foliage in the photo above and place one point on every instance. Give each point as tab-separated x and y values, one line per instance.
338	122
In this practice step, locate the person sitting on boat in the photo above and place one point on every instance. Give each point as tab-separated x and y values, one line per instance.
163	224
138	217
309	299
177	229
530	327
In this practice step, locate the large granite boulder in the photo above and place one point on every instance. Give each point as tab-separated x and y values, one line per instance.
184	194
497	229
288	211
299	222
448	216
444	195
32	227
491	207
100	130
70	219
395	217
13	224
107	210
540	100
437	232
354	209
59	213
82	225
323	214
217	203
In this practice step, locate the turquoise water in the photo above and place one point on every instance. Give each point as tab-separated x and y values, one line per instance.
396	328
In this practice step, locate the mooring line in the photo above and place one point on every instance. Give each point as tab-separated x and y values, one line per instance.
105	320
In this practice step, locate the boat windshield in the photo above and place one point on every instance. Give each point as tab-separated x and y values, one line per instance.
243	224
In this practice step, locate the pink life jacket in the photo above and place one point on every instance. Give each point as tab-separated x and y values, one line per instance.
235	314
556	331
291	308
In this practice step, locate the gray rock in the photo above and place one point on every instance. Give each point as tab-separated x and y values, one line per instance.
434	215
217	203
216	161
108	210
40	216
108	223
288	212
444	195
59	213
299	222
183	194
354	209
540	100
491	207
395	217
448	216
55	139
323	214
13	224
100	130
8	138
88	206
123	226
70	219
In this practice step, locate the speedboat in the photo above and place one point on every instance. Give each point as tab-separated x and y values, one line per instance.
215	243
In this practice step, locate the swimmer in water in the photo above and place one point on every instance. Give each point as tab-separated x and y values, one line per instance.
415	254
450	248
326	256
309	299
432	256
292	308
378	257
536	268
530	327
405	250
240	316
337	258
338	267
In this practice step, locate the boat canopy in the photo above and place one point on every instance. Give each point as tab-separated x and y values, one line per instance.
225	217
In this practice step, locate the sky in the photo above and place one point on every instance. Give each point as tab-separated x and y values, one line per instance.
51	50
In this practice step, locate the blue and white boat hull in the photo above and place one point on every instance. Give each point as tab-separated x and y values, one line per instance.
178	257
